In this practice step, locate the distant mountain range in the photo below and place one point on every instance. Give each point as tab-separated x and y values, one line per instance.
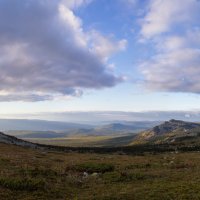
38	125
124	126
174	132
49	129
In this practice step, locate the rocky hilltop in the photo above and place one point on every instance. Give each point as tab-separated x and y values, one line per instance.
169	131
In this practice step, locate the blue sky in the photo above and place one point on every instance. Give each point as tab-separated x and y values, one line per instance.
99	55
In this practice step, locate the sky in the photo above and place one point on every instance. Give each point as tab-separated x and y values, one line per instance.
131	56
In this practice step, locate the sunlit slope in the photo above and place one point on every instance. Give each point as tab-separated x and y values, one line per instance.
172	131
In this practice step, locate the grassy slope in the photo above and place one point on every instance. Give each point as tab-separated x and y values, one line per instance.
28	174
86	141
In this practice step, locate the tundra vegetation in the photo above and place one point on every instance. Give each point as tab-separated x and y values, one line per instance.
36	174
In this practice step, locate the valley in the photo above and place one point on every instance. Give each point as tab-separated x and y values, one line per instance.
175	132
159	163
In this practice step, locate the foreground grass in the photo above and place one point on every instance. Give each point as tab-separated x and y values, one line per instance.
28	174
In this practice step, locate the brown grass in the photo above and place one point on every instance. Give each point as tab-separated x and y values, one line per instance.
28	174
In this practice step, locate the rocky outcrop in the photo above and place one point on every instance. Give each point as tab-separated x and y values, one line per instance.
168	131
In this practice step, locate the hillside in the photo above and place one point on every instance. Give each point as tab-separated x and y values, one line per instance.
170	132
7	139
42	174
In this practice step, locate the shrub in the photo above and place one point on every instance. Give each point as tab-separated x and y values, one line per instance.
123	177
138	166
4	161
38	172
94	167
22	184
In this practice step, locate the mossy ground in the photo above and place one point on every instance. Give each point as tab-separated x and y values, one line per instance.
27	174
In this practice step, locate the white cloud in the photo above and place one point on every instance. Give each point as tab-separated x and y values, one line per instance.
75	3
105	47
45	52
73	23
176	66
176	71
173	28
170	43
163	15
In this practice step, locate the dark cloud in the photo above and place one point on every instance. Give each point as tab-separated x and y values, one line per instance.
43	48
27	98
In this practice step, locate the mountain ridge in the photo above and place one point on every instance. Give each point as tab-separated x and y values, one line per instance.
169	131
8	139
